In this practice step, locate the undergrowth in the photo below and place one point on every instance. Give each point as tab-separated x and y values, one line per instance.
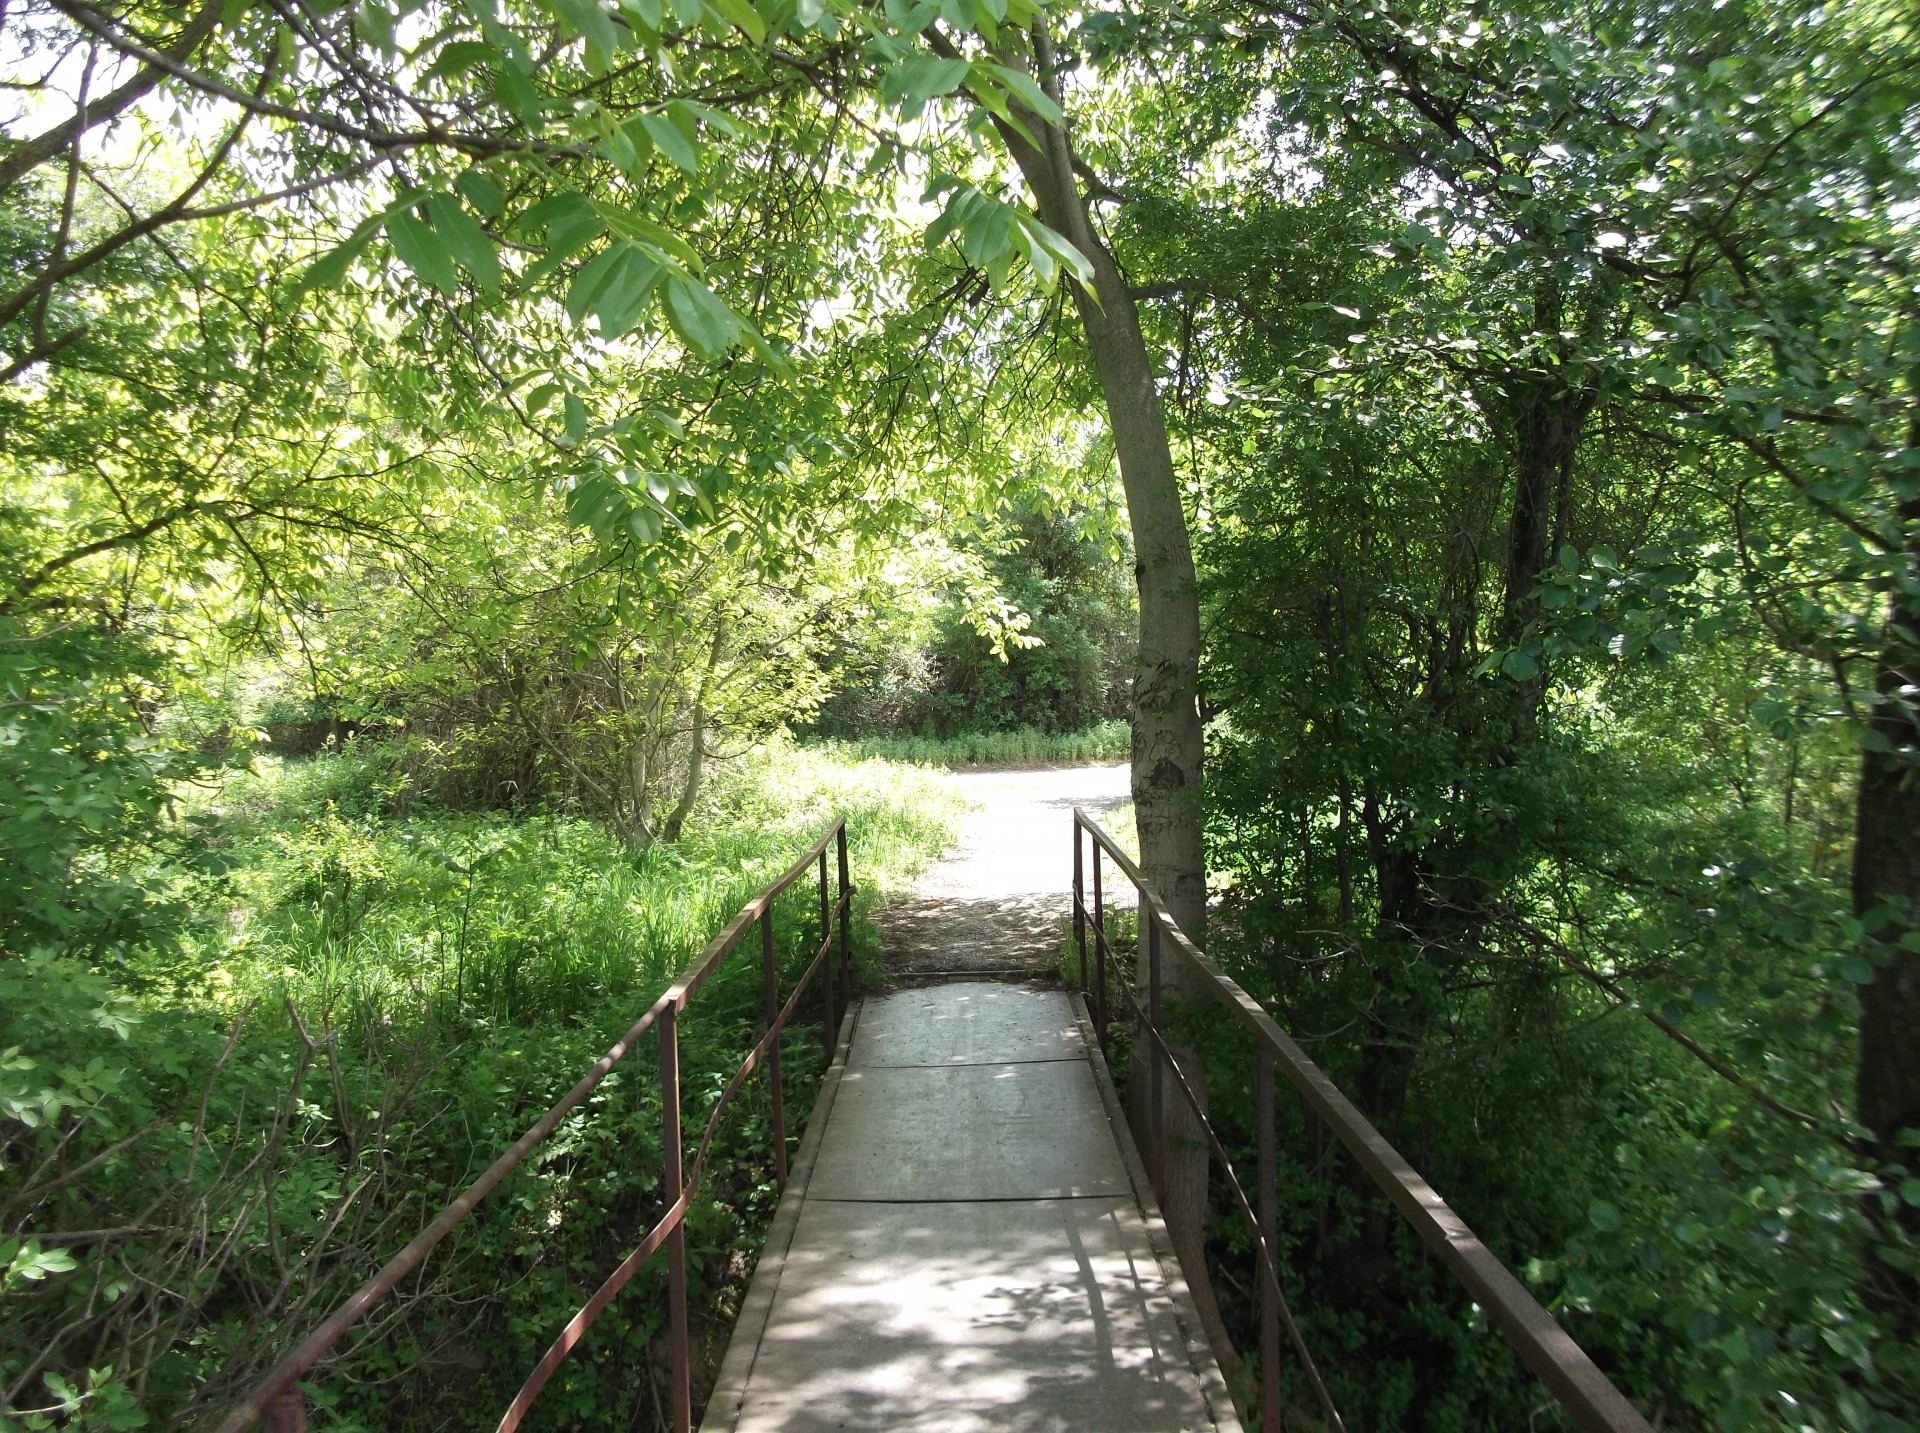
359	1012
1026	746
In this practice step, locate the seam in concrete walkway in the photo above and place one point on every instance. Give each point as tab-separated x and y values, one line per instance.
967	1242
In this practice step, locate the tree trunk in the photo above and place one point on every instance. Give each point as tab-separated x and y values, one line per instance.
1886	878
697	737
1167	748
1430	899
1167	744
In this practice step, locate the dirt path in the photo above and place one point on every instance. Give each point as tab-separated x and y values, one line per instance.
995	902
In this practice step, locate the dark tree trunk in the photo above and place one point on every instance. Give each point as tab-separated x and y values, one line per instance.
1428	897
1886	878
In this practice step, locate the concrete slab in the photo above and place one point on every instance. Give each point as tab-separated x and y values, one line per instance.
1012	1131
1044	1317
968	1246
974	1023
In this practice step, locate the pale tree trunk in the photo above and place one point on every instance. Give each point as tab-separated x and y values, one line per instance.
697	736
1167	745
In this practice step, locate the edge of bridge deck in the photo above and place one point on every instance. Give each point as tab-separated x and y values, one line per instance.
728	1397
743	1344
1206	1368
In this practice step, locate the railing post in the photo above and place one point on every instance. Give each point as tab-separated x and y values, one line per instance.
770	978
1157	1135
846	914
1269	1233
826	958
672	1174
1100	947
1079	905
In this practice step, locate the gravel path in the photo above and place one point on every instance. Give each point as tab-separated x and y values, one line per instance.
996	900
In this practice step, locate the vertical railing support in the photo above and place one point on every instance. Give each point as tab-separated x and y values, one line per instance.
846	916
1079	905
826	960
1156	1123
770	979
1100	947
672	1175
1269	1234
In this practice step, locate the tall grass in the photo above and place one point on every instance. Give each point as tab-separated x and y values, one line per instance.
1026	746
376	1000
461	918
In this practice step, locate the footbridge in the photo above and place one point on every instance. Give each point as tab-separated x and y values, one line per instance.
968	1237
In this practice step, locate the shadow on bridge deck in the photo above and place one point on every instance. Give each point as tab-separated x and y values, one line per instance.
968	1243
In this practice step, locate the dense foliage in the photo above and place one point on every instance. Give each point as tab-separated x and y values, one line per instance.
1062	670
534	408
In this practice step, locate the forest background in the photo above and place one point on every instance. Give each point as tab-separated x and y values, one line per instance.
449	446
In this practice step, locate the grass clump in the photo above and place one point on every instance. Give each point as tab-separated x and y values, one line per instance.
1025	746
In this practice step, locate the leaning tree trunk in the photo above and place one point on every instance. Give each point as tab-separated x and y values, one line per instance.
1167	745
1886	877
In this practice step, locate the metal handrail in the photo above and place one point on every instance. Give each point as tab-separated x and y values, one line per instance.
276	1398
1581	1389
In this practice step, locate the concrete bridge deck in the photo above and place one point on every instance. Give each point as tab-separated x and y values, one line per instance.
968	1242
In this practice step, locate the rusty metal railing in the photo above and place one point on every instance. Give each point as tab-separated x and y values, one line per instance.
1582	1390
277	1401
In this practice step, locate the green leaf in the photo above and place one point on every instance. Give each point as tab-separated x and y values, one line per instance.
423	251
1035	254
918	78
470	243
1603	1216
574	418
743	16
626	293
1519	666
1856	969
1027	91
985	228
376	22
482	193
667	138
631	225
515	91
592	277
459	58
331	267
586	19
1057	244
707	325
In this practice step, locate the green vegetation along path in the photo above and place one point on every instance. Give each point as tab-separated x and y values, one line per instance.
967	1243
